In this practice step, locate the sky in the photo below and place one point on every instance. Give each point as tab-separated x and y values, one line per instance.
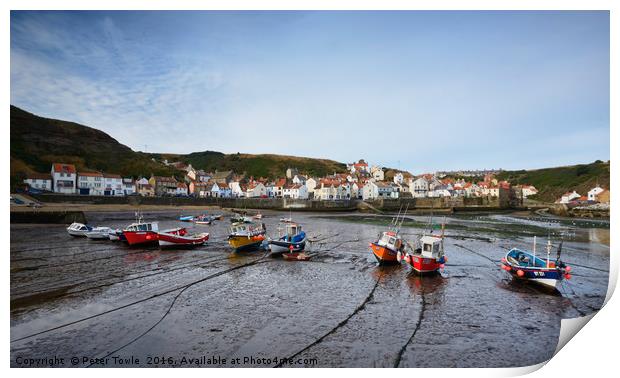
415	90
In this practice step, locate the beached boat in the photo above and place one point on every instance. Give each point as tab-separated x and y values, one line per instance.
293	240
386	247
428	256
258	216
246	237
78	229
286	220
389	243
526	266
180	238
186	218
217	217
238	218
296	256
99	233
203	219
141	233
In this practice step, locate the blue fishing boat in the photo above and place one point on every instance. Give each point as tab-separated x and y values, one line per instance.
186	218
293	240
526	266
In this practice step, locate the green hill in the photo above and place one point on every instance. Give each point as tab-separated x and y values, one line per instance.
37	142
553	182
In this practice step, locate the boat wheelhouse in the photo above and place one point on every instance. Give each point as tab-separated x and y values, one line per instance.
78	229
141	233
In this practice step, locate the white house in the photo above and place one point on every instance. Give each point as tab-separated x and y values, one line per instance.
295	191
374	190
225	191
419	187
378	174
236	190
311	184
299	179
90	183
569	196
64	178
325	192
343	191
356	190
256	189
530	190
113	185
129	186
594	192
39	181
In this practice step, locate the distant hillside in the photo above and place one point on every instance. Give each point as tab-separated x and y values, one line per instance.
265	165
37	142
553	182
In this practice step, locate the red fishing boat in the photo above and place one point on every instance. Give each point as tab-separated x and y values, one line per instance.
428	255
180	238
141	233
386	247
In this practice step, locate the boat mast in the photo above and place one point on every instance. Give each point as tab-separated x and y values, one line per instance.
548	251
534	252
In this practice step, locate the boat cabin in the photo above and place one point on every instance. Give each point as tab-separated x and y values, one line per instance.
242	229
390	240
79	227
431	246
143	227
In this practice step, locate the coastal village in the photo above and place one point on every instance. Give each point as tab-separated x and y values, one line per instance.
360	181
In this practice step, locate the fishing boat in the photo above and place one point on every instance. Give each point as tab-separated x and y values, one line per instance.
526	266
186	218
246	237
78	229
99	233
386	247
116	235
427	256
389	243
293	240
141	233
180	238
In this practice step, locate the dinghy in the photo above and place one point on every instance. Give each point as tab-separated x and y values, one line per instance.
186	218
525	266
180	238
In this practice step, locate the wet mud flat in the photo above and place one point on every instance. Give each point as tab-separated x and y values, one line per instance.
107	304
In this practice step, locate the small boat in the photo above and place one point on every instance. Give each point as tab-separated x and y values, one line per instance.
387	246
217	217
186	218
524	265
293	240
203	219
246	237
99	233
78	229
238	218
180	238
427	256
258	216
116	235
296	256
141	233
286	220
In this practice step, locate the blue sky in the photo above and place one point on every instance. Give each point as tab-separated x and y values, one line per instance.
422	91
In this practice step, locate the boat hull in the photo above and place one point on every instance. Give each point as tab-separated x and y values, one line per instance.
422	264
383	254
98	235
545	277
77	233
141	237
279	246
245	243
172	240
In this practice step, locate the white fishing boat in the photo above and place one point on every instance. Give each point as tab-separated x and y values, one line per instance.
78	229
99	233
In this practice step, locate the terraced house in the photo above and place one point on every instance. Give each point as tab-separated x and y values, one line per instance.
163	185
90	183
64	177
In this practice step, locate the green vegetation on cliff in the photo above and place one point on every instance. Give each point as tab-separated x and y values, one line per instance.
553	182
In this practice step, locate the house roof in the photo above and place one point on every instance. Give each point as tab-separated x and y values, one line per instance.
64	168
281	182
90	174
109	175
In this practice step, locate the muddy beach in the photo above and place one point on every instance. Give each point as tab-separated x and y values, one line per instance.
97	300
